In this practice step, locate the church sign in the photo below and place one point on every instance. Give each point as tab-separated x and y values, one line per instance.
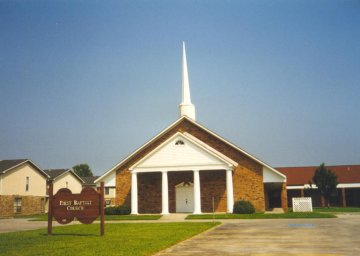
65	206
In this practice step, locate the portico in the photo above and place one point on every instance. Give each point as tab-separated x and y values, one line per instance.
192	198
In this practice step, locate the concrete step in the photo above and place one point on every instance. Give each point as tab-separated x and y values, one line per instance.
276	210
174	217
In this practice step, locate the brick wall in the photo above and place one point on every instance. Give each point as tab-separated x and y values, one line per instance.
32	205
213	184
6	206
123	187
149	192
29	205
248	185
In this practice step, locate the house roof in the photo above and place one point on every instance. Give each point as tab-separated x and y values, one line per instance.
7	165
302	175
193	124
89	180
56	173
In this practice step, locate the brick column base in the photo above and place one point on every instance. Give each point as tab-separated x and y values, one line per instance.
284	200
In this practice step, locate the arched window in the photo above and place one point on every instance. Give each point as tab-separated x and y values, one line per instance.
179	143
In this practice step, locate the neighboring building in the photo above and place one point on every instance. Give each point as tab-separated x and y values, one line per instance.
22	188
348	189
65	178
89	181
109	187
188	168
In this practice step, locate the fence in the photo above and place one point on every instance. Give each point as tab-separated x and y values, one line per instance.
302	204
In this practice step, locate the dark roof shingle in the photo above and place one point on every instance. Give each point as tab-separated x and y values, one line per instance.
53	173
8	164
302	175
89	180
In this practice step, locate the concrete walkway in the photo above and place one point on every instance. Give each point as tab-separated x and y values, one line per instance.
13	225
276	237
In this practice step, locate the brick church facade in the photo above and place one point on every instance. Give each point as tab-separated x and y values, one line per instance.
188	168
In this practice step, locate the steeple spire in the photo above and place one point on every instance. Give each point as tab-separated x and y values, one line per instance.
186	107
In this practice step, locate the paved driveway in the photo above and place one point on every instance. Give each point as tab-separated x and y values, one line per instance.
339	236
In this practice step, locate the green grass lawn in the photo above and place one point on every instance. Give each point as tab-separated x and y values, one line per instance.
289	215
336	209
119	239
44	217
132	217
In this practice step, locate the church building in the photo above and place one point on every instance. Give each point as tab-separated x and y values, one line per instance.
187	168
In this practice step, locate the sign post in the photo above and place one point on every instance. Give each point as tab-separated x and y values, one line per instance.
50	187
65	206
102	204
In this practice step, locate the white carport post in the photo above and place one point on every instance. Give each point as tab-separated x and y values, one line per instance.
229	191
134	193
165	193
197	193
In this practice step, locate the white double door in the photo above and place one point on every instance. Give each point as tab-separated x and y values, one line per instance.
184	193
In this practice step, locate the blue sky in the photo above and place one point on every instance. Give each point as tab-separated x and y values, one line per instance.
92	81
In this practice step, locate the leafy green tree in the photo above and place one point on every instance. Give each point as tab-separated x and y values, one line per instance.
326	182
83	170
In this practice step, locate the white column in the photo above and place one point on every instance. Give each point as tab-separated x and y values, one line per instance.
197	194
229	191
165	193
134	193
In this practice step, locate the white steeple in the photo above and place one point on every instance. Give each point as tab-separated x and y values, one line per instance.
186	107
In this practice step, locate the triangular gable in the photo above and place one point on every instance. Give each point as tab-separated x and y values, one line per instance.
183	152
172	129
56	174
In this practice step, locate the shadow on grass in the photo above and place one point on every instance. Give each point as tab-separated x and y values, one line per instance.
69	234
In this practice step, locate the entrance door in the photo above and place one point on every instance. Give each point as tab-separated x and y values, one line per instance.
184	193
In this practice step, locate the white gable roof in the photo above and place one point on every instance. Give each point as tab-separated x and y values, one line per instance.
183	152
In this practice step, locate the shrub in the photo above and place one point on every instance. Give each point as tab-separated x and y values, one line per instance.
243	206
118	210
124	210
110	210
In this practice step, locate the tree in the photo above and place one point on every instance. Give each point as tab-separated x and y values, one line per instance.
326	182
83	170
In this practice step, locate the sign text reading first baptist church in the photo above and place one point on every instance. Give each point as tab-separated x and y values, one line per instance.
65	206
75	205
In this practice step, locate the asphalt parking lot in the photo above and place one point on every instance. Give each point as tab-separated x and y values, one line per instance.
338	236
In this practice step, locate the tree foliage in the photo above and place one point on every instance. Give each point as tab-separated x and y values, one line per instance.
83	170
326	182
